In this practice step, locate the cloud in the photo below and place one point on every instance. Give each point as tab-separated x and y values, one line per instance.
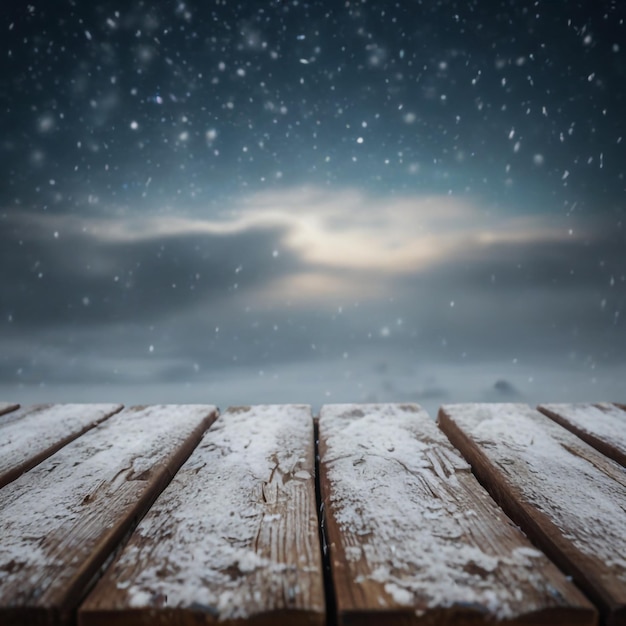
329	240
401	235
79	277
332	227
283	279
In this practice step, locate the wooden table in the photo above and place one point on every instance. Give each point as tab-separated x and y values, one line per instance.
265	515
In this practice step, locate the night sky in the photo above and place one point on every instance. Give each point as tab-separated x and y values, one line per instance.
325	201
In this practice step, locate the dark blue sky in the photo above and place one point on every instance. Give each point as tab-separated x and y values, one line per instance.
243	202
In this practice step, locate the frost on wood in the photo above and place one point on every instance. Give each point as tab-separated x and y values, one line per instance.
568	496
411	531
61	520
30	435
234	536
601	425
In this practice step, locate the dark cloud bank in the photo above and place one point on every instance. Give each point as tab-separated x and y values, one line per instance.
184	318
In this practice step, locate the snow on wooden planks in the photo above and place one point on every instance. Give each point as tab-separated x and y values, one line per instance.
7	407
234	539
61	520
568	497
414	538
32	434
602	425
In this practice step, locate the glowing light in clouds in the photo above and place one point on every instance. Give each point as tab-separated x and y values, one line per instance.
340	229
335	233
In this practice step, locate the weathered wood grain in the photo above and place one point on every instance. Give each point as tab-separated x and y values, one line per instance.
414	538
568	497
61	520
601	425
32	434
233	539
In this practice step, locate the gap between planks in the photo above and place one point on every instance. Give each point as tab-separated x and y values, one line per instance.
62	522
233	539
601	425
414	539
567	496
329	587
32	434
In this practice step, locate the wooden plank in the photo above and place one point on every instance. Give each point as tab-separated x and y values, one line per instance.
601	425
7	407
32	434
415	539
61	520
568	497
233	539
19	412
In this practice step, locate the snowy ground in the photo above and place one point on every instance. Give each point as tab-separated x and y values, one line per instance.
364	379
